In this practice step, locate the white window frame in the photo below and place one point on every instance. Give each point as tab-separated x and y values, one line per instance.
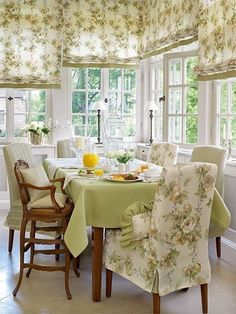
227	115
10	114
105	94
167	57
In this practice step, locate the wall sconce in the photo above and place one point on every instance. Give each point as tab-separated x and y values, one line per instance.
99	106
150	106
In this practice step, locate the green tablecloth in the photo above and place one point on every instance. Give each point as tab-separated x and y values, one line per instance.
99	204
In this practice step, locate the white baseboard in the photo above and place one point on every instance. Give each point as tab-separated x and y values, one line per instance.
229	238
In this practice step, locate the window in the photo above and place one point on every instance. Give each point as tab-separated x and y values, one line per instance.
157	96
176	119
182	99
226	112
122	98
117	86
86	90
18	108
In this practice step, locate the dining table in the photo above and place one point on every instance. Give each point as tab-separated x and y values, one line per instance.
98	202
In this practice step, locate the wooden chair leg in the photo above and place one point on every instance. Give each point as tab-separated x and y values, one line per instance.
32	235
22	245
75	265
218	246
156	300
67	270
10	240
204	296
109	274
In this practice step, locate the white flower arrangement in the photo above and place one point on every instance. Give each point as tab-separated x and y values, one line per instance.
36	128
123	156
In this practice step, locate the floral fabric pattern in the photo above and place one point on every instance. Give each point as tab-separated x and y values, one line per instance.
163	154
30	43
168	24
217	39
102	32
175	255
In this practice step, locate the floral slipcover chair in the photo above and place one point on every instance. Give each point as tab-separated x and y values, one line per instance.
163	154
173	253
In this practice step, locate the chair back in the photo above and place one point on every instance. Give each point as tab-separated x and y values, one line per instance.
12	153
24	194
213	154
63	149
163	154
180	223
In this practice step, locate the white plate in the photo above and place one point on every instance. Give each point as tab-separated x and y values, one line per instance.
152	173
109	178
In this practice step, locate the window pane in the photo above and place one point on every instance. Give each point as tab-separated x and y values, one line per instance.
92	126
223	130
115	101
2	125
79	123
38	117
78	102
78	78
94	78
191	130
93	97
175	129
190	76
233	134
233	91
19	123
223	97
175	100
175	75
129	77
129	103
21	101
191	99
38	101
3	99
158	127
115	79
129	126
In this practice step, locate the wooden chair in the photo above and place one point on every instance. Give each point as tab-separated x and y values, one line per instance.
163	154
166	248
216	155
13	152
53	208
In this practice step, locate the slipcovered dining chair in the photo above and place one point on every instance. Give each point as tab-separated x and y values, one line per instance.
216	155
166	250
163	154
41	203
13	152
63	149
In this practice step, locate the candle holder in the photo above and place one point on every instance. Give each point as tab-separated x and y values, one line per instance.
150	106
99	106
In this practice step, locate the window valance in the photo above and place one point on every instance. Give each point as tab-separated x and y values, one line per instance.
168	24
102	33
217	39
30	43
109	33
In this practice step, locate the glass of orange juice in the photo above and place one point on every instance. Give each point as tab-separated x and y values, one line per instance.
90	160
98	172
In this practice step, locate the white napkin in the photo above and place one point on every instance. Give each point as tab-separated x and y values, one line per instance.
70	176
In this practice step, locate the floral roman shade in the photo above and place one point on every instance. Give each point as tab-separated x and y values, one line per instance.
102	32
217	39
30	43
167	24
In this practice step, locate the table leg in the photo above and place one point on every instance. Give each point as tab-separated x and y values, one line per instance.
97	263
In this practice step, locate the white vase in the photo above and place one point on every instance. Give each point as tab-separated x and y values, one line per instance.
35	138
121	168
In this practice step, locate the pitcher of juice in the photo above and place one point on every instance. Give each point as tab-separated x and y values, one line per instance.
90	158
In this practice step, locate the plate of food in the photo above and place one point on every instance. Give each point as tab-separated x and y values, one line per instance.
123	177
